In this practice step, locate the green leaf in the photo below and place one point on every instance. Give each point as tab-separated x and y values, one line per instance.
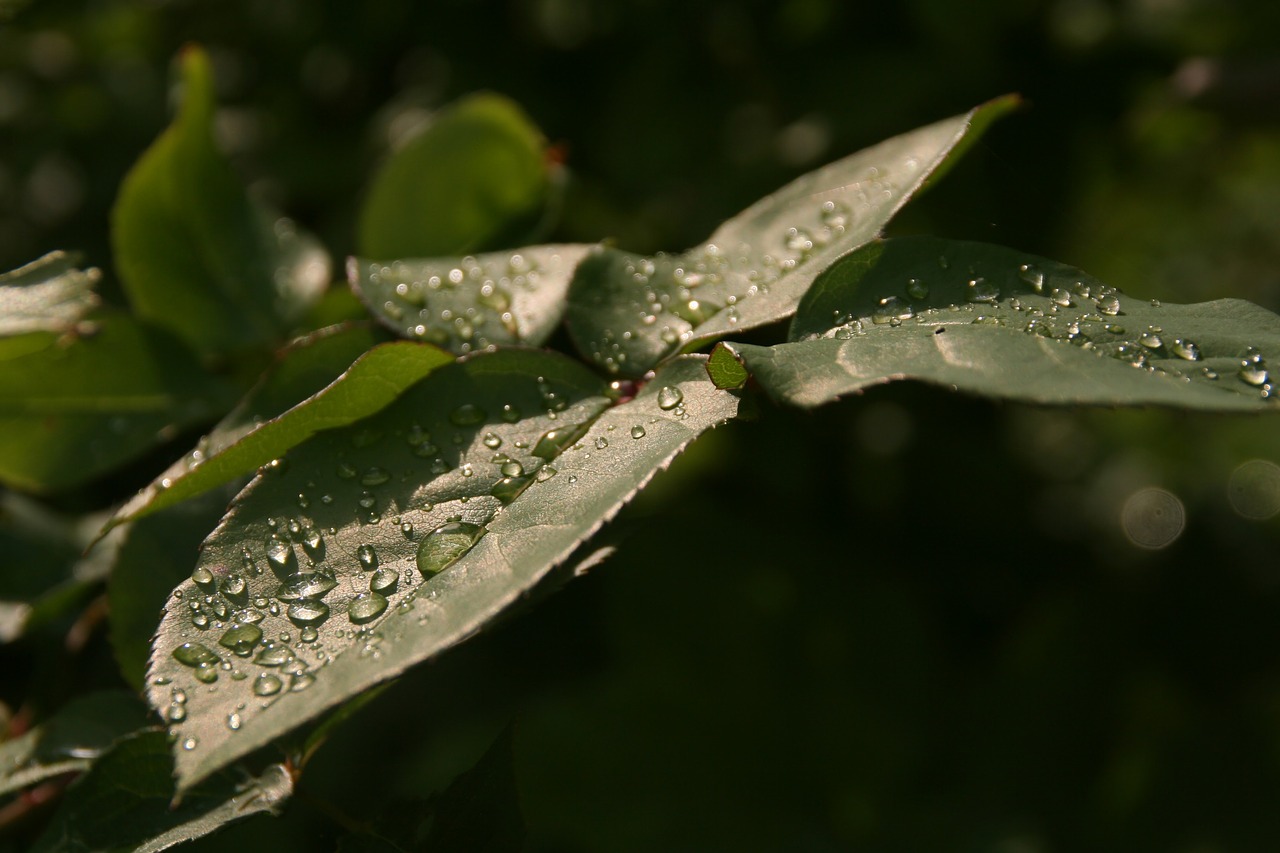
725	367
1000	323
467	304
194	253
47	295
81	406
70	740
465	496
476	177
156	553
627	312
125	802
323	381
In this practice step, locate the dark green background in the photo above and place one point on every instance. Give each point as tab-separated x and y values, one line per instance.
909	621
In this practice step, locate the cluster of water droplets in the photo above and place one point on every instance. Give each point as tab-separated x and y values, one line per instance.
1091	316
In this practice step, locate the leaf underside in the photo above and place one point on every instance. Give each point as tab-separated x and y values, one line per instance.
1000	323
325	560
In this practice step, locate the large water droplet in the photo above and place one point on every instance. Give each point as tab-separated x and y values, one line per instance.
511	469
308	613
367	556
365	607
235	588
1186	349
669	397
1109	304
446	544
1253	369
203	578
553	442
206	673
637	431
492	441
467	415
1032	276
274	654
384	581
546	472
280	557
305	585
241	639
267	684
980	290
196	654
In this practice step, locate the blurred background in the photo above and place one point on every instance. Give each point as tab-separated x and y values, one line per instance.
909	621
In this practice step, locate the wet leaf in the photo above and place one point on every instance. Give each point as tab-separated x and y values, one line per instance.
1000	323
467	304
424	522
70	740
476	178
322	382
627	312
78	407
49	294
194	253
125	802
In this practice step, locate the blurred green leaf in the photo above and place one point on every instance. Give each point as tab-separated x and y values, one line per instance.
47	295
441	511
126	802
321	382
194	253
467	304
1001	323
71	739
475	178
79	407
627	312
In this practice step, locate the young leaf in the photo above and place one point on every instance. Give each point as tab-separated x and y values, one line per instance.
193	252
627	312
289	406
125	802
467	304
997	322
78	407
475	178
70	740
725	367
424	522
47	295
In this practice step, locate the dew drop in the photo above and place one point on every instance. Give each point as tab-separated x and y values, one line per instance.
1032	276
234	721
308	634
206	673
980	290
301	681
195	654
669	397
512	469
203	578
1151	338
917	289
280	556
367	556
267	684
1185	349
510	414
176	713
365	607
241	639
602	443
374	476
308	613
492	441
273	654
467	415
1060	297
190	744
637	431
445	545
1253	369
346	470
305	585
546	472
384	581
1109	304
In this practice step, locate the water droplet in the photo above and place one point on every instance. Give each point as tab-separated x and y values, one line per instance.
1253	369
365	607
510	414
446	544
374	476
273	654
602	443
301	681
176	713
267	684
917	289
196	654
546	472
241	639
367	556
203	578
234	722
467	415
346	470
1032	276
669	397
305	585
1060	297
308	613
492	441
512	469
384	581
206	673
1185	349
190	744
553	442
637	431
280	556
308	634
980	290
200	620
1151	338
313	544
1109	304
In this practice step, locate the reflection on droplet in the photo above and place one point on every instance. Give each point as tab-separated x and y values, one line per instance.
1254	489
1153	518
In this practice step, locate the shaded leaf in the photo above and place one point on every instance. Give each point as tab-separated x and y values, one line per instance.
79	407
124	802
627	312
193	252
322	382
467	304
1001	323
442	510
47	295
70	740
475	178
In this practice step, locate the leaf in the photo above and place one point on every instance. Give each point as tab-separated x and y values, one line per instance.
627	312
47	295
474	178
469	465
289	406
124	802
725	367
77	408
1000	323
194	253
71	739
467	304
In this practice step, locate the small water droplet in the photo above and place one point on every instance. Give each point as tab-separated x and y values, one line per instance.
308	613
305	585
1253	369
241	639
313	544
367	556
308	634
273	654
1060	297
917	289
668	398
203	578
445	545
510	414
280	556
512	469
1151	338
374	476
637	431
190	744
492	441
206	673
1032	275
267	684
384	581
176	713
301	681
979	290
546	472
467	415
602	443
1185	349
365	607
1109	304
195	654
234	721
